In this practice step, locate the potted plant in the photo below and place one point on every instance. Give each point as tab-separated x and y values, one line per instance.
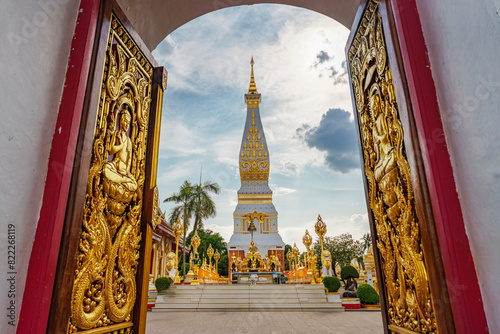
368	296
348	274
332	285
163	283
350	301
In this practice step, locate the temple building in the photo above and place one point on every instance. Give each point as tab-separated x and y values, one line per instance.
163	243
255	204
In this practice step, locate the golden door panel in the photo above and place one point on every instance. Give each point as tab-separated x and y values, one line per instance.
104	288
390	194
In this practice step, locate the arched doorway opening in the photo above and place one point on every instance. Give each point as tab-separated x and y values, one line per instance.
415	90
312	143
201	130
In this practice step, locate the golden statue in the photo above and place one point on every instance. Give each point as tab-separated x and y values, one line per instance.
234	264
313	260
307	241
295	253
252	248
326	259
239	263
121	183
171	265
195	243
177	230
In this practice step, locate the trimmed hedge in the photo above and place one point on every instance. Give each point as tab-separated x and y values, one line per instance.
367	294
162	283
348	271
331	283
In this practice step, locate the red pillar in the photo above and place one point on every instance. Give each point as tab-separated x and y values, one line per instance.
43	261
465	296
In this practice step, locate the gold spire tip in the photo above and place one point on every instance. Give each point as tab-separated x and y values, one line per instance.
252	89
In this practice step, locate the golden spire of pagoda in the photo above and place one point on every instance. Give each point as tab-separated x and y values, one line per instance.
253	87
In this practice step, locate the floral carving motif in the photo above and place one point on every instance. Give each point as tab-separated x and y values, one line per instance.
407	291
104	287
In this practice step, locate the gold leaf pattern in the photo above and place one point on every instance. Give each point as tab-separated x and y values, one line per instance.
254	158
407	291
104	287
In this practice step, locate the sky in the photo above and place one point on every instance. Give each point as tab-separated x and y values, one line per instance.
306	113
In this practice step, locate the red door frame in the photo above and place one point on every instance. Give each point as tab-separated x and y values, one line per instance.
35	305
465	295
463	284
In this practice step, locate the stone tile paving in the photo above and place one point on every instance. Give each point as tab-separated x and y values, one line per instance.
360	322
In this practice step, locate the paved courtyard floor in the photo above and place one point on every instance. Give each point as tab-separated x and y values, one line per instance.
359	322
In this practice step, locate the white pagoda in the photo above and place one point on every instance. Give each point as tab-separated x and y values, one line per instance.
255	203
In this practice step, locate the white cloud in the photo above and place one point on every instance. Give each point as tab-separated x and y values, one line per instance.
208	64
178	139
213	52
281	191
226	150
224	230
357	224
294	234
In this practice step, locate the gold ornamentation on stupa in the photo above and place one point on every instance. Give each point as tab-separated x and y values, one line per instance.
254	164
252	89
254	157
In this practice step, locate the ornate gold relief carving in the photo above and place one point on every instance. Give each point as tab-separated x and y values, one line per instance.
407	291
104	287
156	214
254	162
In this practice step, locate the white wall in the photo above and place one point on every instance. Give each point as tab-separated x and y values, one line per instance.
463	40
35	44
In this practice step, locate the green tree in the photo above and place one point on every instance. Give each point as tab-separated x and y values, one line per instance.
223	265
366	241
343	249
192	200
346	249
184	210
207	238
204	206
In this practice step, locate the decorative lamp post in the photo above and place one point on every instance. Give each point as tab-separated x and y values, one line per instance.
216	258
210	253
295	252
320	229
251	227
177	234
195	243
289	257
307	241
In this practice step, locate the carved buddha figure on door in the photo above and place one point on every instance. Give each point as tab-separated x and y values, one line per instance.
385	169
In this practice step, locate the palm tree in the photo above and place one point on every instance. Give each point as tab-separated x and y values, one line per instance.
185	210
204	206
192	199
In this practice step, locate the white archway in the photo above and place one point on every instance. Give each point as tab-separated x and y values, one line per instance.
155	19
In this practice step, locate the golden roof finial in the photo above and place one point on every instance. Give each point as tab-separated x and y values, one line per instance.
253	87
